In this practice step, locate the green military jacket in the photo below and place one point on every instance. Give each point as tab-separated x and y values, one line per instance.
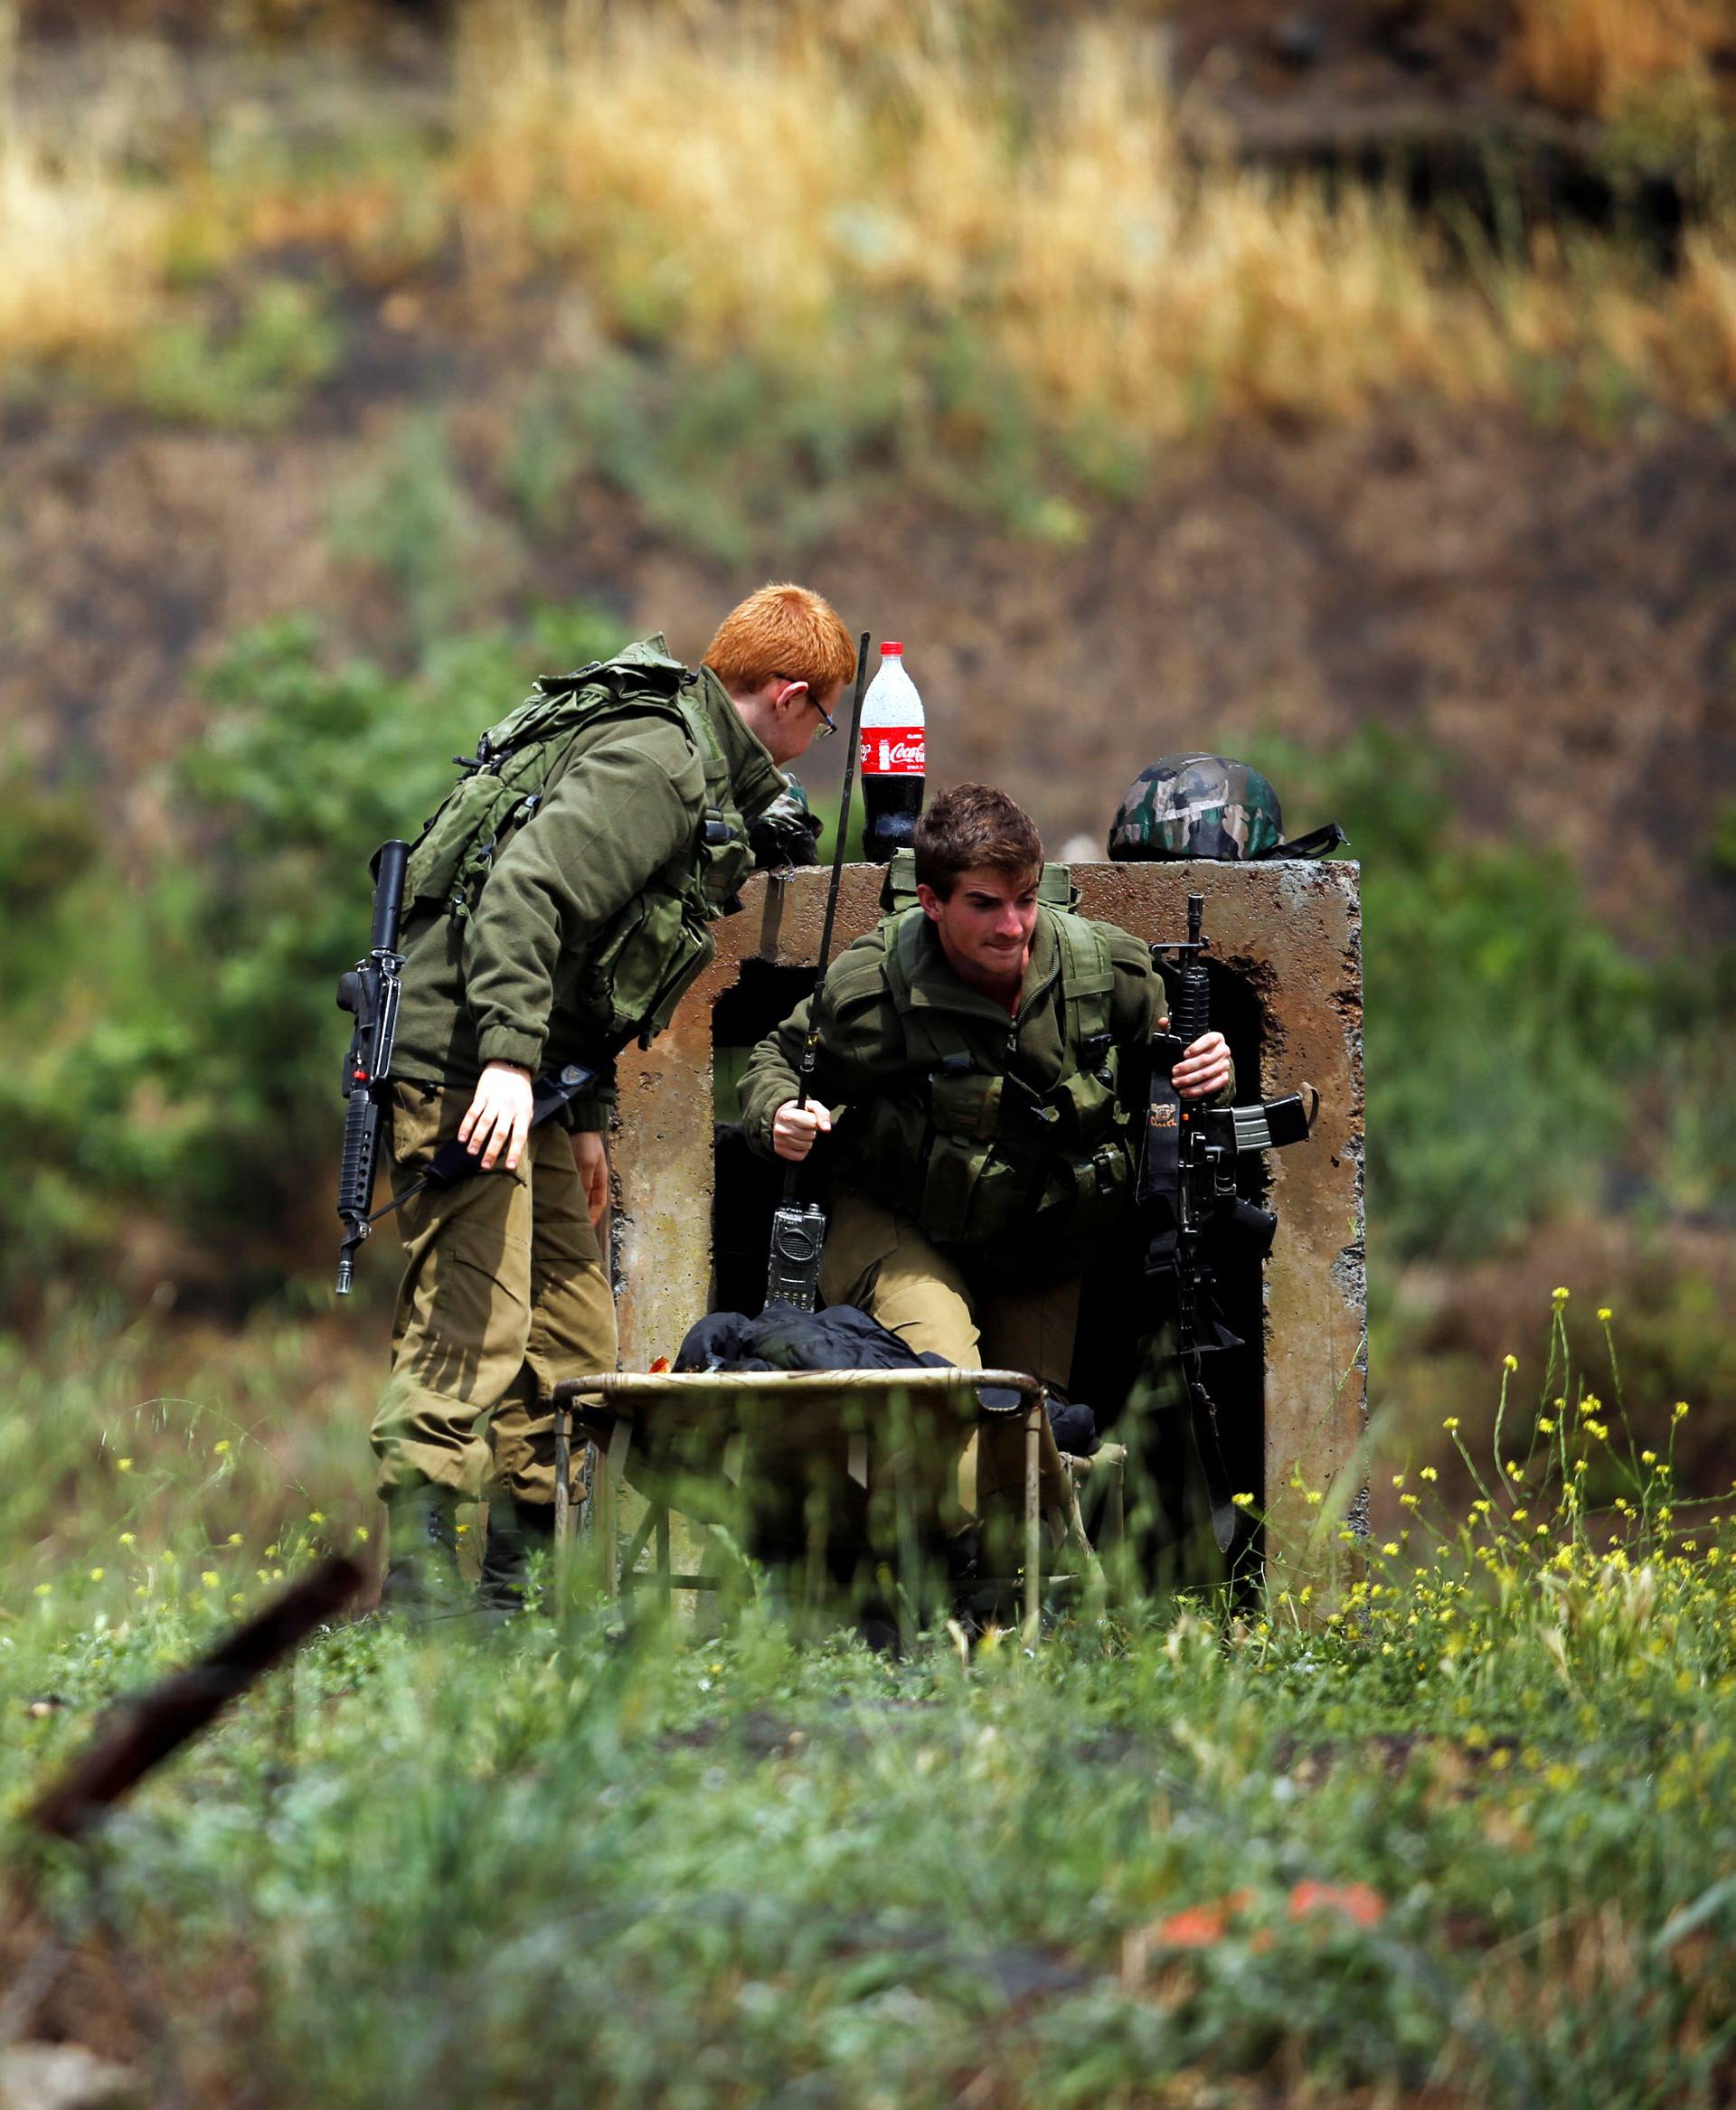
621	815
1012	1137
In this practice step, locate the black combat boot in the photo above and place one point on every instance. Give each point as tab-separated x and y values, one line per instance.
423	1578
516	1529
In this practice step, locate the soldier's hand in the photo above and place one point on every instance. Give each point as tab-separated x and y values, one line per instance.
794	1128
500	1115
592	1161
1205	1071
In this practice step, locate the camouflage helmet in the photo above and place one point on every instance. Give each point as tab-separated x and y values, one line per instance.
1197	805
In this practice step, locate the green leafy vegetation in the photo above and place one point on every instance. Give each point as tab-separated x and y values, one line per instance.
410	516
172	1050
255	374
1463	1829
1515	1049
753	460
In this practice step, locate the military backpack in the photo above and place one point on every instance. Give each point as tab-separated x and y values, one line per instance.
647	955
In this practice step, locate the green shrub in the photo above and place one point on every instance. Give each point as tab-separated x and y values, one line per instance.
1505	1026
254	375
174	1052
410	516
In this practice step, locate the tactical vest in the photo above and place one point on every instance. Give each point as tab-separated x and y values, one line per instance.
631	977
976	1154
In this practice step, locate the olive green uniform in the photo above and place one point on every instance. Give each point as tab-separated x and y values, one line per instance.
590	924
981	1157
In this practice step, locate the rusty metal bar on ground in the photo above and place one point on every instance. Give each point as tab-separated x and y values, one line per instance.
139	1732
639	1388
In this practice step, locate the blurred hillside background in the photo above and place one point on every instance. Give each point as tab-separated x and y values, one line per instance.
1347	386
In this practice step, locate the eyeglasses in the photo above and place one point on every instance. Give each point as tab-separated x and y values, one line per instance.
828	724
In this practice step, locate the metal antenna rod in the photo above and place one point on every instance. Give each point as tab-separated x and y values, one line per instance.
840	845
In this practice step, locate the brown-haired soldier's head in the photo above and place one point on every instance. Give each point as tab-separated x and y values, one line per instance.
975	825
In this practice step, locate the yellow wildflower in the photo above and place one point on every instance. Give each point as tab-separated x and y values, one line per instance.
1242	1500
1450	1424
1509	1362
96	1574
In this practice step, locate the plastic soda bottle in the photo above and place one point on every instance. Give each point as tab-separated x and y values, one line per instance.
894	760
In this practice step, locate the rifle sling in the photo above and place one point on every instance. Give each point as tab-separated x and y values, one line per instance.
452	1161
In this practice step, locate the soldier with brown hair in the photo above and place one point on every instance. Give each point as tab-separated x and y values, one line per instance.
573	928
987	1049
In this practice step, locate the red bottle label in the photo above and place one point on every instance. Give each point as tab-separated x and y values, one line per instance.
894	750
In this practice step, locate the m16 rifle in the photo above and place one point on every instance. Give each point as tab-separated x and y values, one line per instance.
1188	1200
797	1227
370	994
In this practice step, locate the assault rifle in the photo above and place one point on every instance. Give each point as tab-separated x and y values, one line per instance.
370	994
798	1229
1188	1202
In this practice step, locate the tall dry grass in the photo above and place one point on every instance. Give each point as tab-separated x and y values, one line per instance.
756	184
80	253
1594	57
788	182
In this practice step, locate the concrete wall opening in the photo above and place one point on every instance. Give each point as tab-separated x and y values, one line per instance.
694	1217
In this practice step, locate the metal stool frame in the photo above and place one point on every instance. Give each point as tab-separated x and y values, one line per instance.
586	1403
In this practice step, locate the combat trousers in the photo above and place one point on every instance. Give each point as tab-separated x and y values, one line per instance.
505	1294
879	1259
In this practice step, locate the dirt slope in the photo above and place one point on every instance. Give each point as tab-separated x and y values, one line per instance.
1559	614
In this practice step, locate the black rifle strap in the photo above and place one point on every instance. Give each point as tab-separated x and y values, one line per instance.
452	1161
1317	843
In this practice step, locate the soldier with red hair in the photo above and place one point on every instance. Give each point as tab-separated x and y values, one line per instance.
581	915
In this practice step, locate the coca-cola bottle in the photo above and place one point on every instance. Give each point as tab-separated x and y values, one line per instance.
893	759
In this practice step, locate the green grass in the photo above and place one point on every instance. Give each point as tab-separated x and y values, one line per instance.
661	1867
